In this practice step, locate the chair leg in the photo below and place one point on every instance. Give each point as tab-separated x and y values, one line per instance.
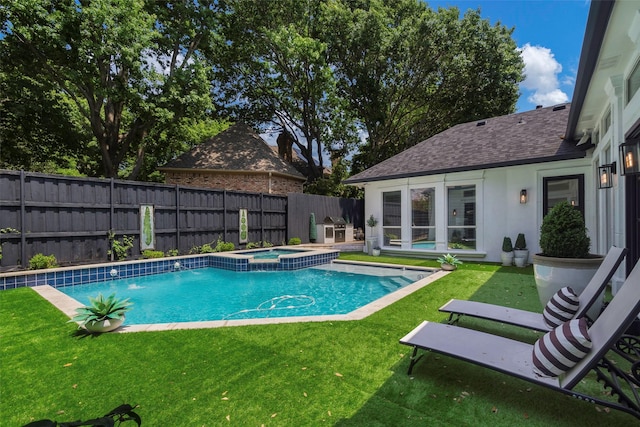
413	360
453	318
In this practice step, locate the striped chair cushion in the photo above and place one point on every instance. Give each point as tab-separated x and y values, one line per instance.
559	350
561	307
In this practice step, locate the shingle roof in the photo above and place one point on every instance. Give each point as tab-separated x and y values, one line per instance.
535	136
239	148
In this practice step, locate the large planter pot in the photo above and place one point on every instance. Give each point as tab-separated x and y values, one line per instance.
552	274
104	325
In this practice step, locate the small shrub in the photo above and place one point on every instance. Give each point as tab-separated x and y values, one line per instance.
253	245
206	249
172	252
40	261
222	246
119	248
148	253
295	241
266	244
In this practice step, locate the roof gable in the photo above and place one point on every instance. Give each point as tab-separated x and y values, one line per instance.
237	149
524	138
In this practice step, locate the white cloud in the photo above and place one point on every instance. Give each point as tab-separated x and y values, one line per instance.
541	76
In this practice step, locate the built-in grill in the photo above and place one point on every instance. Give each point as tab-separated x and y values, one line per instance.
333	230
336	226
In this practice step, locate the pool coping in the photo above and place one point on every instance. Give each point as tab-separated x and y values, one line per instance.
68	305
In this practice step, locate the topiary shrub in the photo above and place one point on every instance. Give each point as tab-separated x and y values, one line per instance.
507	246
521	243
313	230
563	233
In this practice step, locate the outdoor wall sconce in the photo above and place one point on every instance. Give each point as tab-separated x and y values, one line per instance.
605	175
455	212
630	156
523	196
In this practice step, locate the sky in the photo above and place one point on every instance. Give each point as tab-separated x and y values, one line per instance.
549	35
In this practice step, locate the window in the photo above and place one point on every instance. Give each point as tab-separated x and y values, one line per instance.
392	218
423	218
633	82
561	188
461	222
606	122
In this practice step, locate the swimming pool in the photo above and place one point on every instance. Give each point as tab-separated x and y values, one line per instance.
209	294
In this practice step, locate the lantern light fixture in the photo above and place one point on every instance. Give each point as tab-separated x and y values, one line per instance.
630	157
605	175
523	196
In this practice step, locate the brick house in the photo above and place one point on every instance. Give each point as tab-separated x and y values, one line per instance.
236	159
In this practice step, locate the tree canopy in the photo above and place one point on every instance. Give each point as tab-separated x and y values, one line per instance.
130	67
119	87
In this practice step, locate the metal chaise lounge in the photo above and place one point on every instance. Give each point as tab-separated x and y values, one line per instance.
514	358
533	320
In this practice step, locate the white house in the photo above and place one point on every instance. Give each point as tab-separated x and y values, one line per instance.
463	190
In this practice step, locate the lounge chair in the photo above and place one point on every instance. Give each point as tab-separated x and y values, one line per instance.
533	320
515	358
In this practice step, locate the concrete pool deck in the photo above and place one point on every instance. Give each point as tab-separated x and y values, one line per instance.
68	306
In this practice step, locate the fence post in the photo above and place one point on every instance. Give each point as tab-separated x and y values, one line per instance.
262	236
178	218
224	216
23	216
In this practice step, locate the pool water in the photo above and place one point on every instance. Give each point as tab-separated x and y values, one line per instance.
216	294
271	253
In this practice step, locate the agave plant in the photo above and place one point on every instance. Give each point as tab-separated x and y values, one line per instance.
102	309
449	259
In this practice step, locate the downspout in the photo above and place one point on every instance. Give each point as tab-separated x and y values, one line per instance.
269	182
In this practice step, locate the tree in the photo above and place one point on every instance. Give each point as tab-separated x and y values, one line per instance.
130	67
274	69
39	128
410	72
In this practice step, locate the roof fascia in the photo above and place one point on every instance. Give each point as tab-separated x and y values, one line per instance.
469	168
597	22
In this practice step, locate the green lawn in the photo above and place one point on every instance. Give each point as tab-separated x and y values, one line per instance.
305	374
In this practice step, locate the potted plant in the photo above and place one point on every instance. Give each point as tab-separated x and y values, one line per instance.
565	259
375	251
372	240
103	314
449	262
507	251
520	251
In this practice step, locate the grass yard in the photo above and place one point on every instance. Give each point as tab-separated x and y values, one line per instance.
305	374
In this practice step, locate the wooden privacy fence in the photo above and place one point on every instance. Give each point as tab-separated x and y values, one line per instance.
72	217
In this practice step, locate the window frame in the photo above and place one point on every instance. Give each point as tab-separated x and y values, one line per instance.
545	191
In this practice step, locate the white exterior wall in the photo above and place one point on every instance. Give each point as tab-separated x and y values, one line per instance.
498	209
610	212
